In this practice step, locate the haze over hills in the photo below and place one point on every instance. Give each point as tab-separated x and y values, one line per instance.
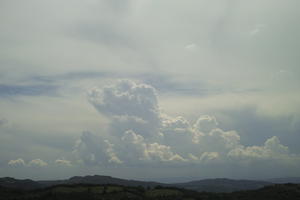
284	180
222	185
208	185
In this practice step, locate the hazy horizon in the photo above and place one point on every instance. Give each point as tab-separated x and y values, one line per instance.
172	180
150	89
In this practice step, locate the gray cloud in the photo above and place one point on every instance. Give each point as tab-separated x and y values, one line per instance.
93	149
256	127
105	34
3	121
163	82
203	57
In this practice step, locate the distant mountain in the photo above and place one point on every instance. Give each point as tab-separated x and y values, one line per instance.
222	185
25	184
208	185
96	179
285	180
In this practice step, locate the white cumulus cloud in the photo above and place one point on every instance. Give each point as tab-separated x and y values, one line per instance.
272	149
131	105
93	149
37	163
140	133
17	163
33	163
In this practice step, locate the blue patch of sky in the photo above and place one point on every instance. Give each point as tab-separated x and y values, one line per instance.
27	90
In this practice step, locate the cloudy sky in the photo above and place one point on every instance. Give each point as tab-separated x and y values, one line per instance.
150	89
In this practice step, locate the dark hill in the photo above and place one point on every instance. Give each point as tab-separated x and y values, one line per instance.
222	185
117	192
96	179
274	192
208	185
25	184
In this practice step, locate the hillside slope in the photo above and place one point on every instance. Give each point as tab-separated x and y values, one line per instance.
208	185
115	192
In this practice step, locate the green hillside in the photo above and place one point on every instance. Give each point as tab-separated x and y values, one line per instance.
117	192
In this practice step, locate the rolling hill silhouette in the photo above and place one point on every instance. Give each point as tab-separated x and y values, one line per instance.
208	185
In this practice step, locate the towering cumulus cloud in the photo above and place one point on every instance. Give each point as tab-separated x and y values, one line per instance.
130	106
140	133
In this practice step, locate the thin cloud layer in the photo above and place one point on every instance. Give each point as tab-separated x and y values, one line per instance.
63	162
37	163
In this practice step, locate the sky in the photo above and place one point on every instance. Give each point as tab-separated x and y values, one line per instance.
150	89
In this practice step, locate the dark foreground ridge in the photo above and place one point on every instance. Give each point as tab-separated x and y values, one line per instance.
117	192
207	185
